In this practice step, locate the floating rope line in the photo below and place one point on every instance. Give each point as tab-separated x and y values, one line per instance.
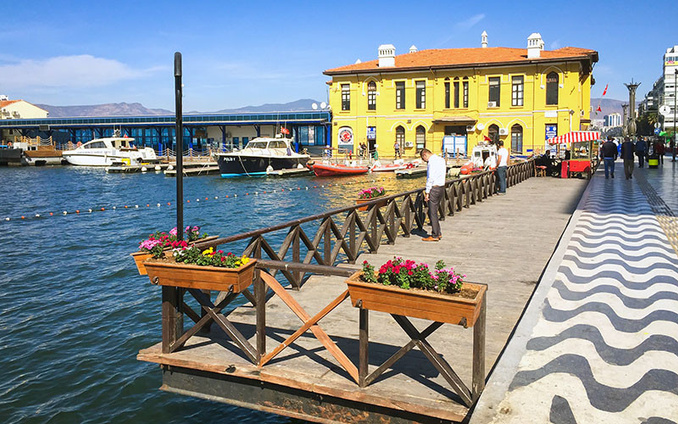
142	206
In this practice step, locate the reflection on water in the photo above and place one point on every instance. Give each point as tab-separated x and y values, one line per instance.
73	311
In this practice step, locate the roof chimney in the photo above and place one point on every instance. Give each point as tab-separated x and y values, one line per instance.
534	45
413	49
484	39
386	55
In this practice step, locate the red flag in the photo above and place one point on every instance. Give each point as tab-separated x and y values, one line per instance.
599	109
605	91
486	138
284	130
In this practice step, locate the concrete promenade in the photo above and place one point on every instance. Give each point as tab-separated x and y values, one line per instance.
598	342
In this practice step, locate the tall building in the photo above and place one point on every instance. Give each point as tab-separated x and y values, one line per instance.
521	96
663	90
613	120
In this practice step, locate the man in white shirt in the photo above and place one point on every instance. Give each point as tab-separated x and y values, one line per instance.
435	190
502	166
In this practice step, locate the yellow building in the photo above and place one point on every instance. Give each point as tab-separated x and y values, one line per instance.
455	98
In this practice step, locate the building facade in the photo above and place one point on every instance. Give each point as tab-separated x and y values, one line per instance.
452	99
613	120
663	92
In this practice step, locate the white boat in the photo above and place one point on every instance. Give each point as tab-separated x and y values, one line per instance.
109	150
261	156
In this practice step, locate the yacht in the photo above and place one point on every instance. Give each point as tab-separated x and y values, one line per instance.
110	150
261	156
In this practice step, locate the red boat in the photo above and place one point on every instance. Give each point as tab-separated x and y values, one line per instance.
335	169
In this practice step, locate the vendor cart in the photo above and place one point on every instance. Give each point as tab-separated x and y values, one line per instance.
583	153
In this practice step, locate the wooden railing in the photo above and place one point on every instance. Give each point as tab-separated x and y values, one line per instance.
344	231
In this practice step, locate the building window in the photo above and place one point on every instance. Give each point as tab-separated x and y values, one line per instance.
456	93
517	138
552	89
465	89
400	137
493	133
447	93
517	94
421	94
494	93
400	95
372	96
421	137
345	97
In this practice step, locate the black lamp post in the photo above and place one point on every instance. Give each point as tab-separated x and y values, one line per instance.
179	145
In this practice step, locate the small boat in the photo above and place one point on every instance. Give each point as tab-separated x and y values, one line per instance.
335	169
395	166
109	150
261	156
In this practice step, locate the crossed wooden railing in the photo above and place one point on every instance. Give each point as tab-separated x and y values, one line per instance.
343	231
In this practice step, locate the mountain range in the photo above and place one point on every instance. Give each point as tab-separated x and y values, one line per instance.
607	106
137	109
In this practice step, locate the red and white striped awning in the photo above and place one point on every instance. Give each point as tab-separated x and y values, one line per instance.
574	137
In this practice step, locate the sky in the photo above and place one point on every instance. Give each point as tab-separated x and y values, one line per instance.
241	53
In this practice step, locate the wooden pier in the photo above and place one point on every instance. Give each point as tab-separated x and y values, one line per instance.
320	339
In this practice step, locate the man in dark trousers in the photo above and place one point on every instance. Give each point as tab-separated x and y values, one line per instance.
608	153
435	190
627	157
641	151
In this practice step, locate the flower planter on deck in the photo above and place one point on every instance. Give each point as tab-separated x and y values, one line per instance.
141	256
364	208
441	307
175	274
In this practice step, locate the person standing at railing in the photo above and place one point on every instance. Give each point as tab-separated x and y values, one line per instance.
502	166
435	190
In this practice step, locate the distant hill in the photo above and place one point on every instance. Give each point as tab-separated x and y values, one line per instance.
108	109
137	109
607	106
301	104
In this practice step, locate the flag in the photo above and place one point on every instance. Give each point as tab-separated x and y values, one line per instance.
599	109
486	138
605	91
284	130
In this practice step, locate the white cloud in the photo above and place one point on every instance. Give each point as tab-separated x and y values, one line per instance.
470	22
80	71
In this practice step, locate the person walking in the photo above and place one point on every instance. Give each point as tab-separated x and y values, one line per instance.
627	156
396	148
435	190
659	149
502	166
641	151
608	153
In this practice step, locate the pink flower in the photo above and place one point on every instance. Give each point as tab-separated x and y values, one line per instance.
173	231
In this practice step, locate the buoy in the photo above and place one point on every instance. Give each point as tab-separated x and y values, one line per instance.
144	169
77	211
158	204
37	215
216	197
158	168
23	217
89	210
114	208
6	219
65	212
50	214
103	209
136	206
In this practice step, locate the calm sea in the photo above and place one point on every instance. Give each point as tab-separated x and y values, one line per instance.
73	310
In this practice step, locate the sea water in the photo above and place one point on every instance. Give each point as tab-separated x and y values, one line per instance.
73	310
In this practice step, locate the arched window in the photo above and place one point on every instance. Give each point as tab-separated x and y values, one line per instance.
552	88
493	133
421	137
517	138
400	136
447	93
456	93
372	96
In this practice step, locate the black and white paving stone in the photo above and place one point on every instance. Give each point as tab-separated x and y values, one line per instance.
604	343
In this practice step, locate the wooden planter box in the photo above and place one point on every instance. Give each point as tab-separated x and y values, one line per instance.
141	256
200	277
364	208
429	305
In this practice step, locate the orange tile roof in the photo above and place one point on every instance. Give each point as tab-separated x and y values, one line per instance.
4	103
443	58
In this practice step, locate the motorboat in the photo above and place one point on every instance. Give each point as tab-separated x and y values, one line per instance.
260	157
395	166
109	150
336	169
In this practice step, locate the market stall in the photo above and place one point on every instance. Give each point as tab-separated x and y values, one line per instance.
583	152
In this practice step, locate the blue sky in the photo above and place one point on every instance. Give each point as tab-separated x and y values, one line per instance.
238	53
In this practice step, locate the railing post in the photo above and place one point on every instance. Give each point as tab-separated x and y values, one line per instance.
296	257
260	298
172	318
478	383
327	251
351	238
363	347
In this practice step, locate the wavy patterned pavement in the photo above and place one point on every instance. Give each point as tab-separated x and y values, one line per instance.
599	341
